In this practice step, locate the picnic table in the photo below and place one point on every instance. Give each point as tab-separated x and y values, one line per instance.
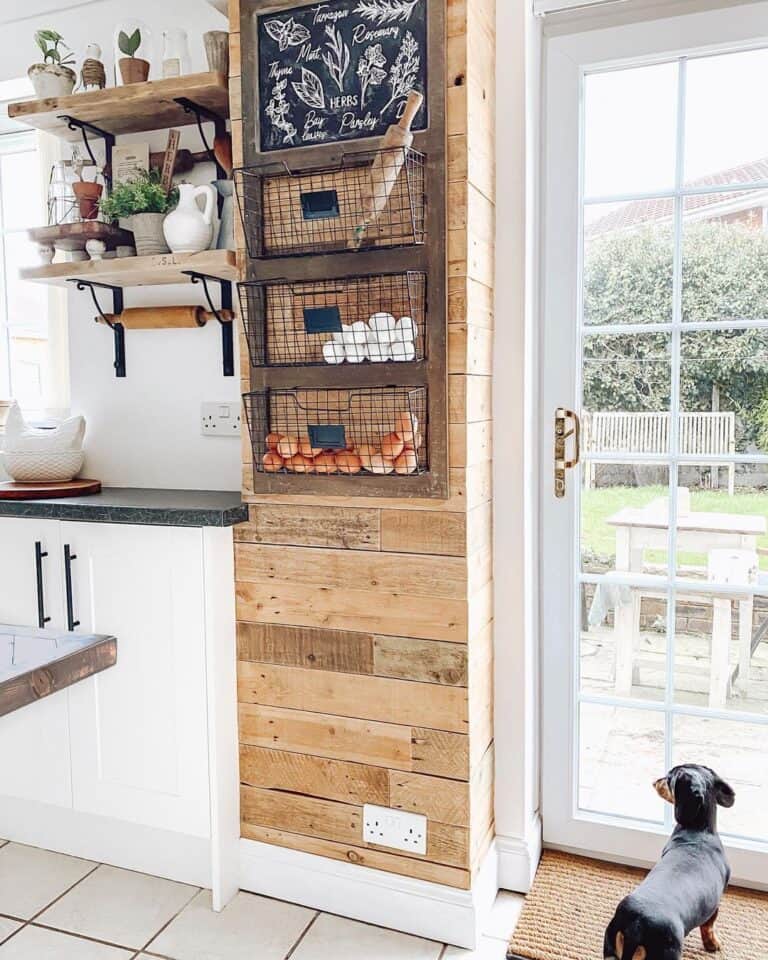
730	543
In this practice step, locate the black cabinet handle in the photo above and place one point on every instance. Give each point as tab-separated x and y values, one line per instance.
68	558
39	554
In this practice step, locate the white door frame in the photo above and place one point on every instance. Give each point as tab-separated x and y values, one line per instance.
566	59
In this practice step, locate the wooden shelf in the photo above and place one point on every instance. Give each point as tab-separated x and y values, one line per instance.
137	271
133	108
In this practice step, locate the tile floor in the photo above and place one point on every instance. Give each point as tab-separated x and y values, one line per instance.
54	907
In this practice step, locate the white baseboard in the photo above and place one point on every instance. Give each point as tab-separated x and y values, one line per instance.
163	853
401	903
519	858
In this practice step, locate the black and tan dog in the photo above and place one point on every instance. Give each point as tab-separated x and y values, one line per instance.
684	889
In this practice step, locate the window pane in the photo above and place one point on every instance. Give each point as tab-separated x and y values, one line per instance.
615	496
723	142
623	641
725	256
628	262
27	302
738	752
630	129
724	392
621	755
627	374
22	191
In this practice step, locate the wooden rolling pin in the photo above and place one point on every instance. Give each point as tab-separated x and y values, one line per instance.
386	168
159	318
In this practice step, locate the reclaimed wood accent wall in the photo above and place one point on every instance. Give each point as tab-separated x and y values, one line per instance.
365	625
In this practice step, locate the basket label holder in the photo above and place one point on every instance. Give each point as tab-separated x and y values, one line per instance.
320	205
322	319
330	436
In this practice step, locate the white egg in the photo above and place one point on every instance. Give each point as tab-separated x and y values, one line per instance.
360	331
403	351
355	352
384	324
333	352
407	329
347	335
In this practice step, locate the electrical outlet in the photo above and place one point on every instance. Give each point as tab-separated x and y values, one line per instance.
220	419
394	828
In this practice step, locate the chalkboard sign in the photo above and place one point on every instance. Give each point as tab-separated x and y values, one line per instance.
339	70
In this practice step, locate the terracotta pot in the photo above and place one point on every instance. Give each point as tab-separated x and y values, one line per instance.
88	195
51	80
134	69
147	229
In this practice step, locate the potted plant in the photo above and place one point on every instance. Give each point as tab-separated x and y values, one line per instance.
53	77
87	192
132	68
143	203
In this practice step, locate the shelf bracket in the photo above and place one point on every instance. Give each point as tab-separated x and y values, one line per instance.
220	125
118	330
223	314
109	141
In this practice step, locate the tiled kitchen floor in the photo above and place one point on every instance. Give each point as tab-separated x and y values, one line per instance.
54	907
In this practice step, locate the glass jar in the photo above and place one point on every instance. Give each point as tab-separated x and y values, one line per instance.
175	53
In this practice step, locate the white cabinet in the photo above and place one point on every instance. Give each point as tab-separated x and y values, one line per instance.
136	765
139	729
34	741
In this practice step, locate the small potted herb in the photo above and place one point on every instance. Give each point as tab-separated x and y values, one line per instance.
53	77
132	68
143	203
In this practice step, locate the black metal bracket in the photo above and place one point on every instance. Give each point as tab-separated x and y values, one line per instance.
109	141
227	326
220	125
118	329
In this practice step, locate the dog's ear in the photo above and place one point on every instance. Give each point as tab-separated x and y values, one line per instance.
664	790
724	793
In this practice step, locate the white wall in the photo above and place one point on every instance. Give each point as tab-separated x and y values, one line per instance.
143	430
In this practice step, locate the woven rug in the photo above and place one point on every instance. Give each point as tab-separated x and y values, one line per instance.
573	900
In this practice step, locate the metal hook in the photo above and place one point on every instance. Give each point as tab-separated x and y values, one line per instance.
117	329
109	141
203	113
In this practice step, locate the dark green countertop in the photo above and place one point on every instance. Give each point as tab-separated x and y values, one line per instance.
166	508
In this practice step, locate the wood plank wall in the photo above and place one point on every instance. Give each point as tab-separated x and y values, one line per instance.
365	626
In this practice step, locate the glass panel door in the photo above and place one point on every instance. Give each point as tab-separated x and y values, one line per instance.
664	622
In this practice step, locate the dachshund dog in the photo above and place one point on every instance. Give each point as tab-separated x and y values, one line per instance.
684	889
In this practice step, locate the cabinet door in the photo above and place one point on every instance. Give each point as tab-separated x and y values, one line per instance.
139	729
34	741
18	572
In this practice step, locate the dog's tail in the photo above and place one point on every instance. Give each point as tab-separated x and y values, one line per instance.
633	942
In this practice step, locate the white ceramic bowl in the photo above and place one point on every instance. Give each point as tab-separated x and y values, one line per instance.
43	467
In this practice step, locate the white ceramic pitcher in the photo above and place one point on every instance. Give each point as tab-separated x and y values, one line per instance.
188	229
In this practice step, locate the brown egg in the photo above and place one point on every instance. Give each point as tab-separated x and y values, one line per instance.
406	462
416	442
405	426
366	452
272	462
306	449
392	446
325	463
287	447
348	462
273	439
381	464
300	464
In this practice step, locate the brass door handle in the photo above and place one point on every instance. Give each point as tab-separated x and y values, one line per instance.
562	434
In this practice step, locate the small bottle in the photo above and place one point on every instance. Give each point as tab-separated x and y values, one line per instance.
175	53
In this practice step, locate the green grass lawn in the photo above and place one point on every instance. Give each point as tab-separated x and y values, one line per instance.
597	537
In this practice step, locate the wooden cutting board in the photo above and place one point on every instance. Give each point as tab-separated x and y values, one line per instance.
48	491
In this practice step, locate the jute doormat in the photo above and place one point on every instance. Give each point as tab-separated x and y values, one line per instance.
573	900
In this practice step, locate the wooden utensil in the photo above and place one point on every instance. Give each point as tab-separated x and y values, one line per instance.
158	318
386	168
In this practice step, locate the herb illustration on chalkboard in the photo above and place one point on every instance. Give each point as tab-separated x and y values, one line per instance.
339	70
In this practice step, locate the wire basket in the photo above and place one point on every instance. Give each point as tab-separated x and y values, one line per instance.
363	432
372	319
366	201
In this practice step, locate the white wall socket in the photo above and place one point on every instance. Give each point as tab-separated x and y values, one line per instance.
394	828
220	419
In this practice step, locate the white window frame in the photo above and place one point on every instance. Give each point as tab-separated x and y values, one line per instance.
568	59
